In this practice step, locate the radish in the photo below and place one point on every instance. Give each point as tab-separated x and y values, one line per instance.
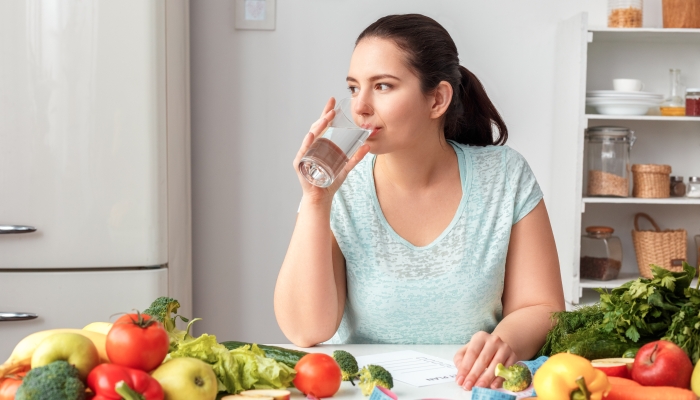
620	367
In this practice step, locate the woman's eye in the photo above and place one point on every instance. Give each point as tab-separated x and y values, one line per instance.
383	86
353	89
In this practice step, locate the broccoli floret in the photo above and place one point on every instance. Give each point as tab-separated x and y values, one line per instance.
162	309
55	381
348	365
374	375
517	377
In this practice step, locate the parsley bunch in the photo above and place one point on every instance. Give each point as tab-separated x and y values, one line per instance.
645	308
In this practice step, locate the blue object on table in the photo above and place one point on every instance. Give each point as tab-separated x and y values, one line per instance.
479	393
379	394
533	366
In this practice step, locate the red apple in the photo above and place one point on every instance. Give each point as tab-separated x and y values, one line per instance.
662	363
620	367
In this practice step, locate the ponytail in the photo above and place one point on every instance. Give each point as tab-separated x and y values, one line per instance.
432	55
472	116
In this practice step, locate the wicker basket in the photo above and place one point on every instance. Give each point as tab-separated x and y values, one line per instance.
651	181
667	249
681	13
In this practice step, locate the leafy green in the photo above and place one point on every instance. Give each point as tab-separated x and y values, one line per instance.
644	308
236	370
569	322
637	312
239	369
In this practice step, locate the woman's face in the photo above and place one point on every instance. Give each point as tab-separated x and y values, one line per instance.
391	101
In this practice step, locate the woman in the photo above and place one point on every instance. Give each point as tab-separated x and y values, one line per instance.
440	235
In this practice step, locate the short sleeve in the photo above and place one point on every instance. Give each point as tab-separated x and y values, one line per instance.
526	191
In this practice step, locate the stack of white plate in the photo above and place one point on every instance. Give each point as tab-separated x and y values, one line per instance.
613	102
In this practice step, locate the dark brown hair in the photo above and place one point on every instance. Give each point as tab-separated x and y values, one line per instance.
432	55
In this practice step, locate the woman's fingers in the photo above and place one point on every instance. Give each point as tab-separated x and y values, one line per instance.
480	364
330	104
315	130
354	160
489	375
471	354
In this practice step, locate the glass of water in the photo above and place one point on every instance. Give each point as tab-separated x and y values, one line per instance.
329	154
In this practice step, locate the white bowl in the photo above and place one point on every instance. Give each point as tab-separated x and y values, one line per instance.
622	109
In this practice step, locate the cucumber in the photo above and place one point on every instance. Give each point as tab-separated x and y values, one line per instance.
596	348
280	354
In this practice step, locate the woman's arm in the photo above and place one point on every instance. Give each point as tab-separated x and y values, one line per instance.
532	292
310	291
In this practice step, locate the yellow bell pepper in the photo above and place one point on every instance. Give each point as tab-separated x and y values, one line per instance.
570	377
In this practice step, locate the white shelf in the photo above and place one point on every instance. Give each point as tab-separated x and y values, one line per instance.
648	35
623	278
642	118
635	200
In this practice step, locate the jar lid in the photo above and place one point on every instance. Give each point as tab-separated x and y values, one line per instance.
599	229
614	131
676	179
693	90
694	179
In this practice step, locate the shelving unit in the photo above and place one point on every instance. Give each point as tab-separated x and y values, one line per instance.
593	117
588	58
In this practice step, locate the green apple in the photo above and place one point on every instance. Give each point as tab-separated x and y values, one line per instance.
186	378
73	348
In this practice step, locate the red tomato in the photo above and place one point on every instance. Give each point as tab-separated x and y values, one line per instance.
9	386
137	341
318	375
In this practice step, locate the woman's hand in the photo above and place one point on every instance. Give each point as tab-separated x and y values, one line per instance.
312	192
476	361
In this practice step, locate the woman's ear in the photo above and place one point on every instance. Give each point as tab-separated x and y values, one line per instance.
441	99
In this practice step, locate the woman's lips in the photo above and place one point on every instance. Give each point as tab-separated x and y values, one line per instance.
374	129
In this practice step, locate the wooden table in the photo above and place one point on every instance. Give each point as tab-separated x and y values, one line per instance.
404	391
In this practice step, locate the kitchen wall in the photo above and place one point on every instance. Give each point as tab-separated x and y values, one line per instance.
255	93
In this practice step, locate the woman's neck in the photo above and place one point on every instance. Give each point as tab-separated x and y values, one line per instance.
418	167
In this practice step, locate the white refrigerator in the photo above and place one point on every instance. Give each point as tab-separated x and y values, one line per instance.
94	161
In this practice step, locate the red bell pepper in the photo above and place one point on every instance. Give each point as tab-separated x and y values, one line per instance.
114	382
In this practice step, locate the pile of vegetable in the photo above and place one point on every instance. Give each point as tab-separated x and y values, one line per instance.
145	356
629	316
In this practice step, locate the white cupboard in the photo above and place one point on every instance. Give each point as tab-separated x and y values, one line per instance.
589	58
94	154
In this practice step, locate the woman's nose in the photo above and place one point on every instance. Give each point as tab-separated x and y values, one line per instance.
361	107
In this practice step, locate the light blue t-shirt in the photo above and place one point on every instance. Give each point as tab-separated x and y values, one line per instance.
446	291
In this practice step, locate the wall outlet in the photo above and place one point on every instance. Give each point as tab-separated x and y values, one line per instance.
255	14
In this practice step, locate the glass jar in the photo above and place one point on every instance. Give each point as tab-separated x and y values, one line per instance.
674	104
692	102
625	13
693	186
677	186
601	254
608	160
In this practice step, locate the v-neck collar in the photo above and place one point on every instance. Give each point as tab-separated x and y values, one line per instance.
465	177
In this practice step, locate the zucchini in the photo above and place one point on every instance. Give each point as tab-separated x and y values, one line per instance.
280	354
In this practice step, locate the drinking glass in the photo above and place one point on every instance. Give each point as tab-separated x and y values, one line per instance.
329	154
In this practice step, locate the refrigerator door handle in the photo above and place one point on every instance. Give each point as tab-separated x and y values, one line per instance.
16	229
16	316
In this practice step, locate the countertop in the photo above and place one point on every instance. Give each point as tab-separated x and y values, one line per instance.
404	391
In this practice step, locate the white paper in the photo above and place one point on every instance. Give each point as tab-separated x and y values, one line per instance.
413	367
